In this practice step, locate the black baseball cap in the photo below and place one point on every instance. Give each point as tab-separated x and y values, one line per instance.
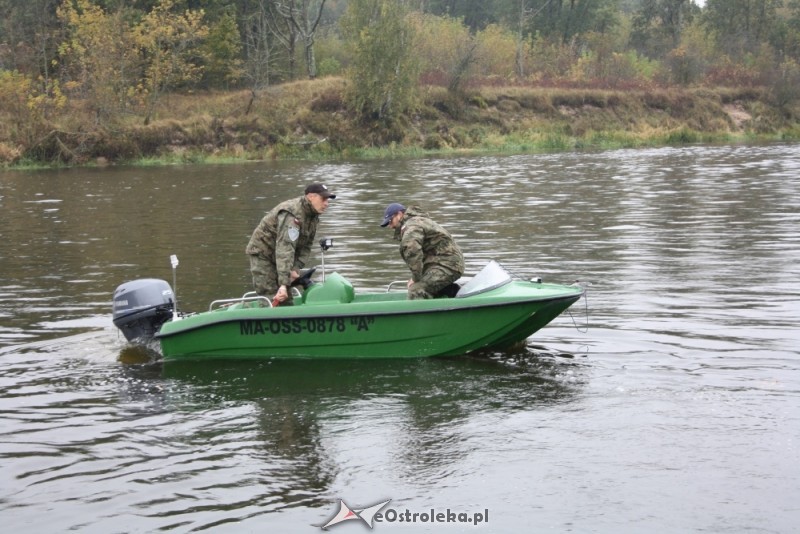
320	189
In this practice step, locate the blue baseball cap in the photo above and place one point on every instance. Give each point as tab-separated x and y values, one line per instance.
391	210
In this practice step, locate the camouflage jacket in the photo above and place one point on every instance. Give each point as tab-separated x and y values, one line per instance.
424	244
284	236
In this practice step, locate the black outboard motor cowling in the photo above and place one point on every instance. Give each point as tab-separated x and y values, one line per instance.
142	306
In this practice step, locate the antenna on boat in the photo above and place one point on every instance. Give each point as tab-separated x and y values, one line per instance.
173	259
325	243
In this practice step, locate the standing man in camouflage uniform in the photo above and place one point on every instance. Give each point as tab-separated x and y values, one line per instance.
281	243
428	249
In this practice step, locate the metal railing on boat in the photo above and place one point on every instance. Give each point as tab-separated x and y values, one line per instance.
250	296
389	287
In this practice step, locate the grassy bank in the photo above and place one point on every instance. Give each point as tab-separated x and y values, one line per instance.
309	120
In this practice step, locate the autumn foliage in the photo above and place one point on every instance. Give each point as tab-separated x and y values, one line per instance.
81	79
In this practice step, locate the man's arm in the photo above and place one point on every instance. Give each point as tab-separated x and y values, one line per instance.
285	245
411	250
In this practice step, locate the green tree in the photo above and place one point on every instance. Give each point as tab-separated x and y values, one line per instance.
168	43
29	36
98	57
27	107
475	14
567	19
658	25
222	50
739	27
551	60
687	63
384	72
442	45
500	52
787	35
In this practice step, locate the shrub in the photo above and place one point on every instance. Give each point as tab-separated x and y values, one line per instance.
329	67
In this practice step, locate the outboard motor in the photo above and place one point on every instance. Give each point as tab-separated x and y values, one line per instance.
142	306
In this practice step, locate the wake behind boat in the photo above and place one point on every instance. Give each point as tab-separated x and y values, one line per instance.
331	320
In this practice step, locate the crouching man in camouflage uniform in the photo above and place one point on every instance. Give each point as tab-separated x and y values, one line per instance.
281	243
428	249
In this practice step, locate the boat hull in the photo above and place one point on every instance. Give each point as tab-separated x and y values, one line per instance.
371	326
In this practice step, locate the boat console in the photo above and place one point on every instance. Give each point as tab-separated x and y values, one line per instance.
336	289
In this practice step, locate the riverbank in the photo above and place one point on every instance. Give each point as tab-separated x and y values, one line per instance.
310	120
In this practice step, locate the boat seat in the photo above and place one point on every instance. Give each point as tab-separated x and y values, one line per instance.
448	291
334	290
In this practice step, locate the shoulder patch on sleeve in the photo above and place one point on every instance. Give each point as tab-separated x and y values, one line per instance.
294	229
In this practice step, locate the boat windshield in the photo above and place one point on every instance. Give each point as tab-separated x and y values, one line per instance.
490	277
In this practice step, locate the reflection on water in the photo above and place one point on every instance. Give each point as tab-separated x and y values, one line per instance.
243	438
677	408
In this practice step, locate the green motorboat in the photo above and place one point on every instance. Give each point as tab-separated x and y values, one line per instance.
331	320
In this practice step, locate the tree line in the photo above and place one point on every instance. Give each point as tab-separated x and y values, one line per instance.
119	57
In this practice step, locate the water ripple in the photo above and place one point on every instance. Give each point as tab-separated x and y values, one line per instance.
681	395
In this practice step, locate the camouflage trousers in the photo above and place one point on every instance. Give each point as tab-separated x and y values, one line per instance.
433	280
265	278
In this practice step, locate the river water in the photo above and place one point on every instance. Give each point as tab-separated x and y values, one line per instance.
667	401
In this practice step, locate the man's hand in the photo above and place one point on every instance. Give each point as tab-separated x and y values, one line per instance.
282	294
